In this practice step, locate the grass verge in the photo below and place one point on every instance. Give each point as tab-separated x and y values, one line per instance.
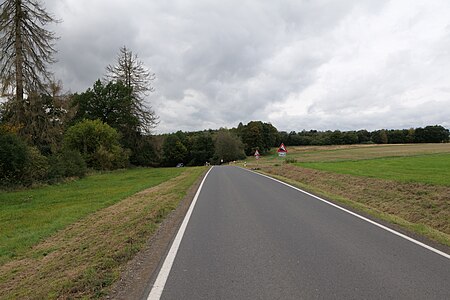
420	208
85	258
28	216
432	169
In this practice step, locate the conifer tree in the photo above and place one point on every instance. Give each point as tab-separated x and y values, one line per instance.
135	76
27	47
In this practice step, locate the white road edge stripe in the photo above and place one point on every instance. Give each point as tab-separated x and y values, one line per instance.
163	274
359	216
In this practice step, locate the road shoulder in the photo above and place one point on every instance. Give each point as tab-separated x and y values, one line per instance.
139	274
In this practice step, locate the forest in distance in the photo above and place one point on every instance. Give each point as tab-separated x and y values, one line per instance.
195	148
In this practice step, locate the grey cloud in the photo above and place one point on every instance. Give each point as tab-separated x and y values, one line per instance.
299	64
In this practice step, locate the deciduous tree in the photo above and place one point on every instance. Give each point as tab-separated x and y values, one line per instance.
228	147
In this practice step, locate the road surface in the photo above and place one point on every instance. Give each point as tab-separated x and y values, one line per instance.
250	237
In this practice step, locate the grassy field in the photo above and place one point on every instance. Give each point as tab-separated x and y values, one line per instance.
432	169
29	216
83	259
407	185
355	152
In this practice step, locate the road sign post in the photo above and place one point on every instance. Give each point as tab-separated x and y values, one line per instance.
282	151
257	155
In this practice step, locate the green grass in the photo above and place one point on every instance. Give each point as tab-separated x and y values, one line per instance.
431	169
83	260
29	216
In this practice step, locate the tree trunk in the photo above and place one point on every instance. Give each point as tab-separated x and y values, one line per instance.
19	54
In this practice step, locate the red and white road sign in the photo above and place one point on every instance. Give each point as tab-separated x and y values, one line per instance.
257	155
282	148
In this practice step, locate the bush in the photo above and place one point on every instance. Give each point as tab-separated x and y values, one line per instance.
13	158
290	161
108	159
19	163
98	144
68	163
37	167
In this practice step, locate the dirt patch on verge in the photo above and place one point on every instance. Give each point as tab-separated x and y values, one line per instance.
421	208
87	257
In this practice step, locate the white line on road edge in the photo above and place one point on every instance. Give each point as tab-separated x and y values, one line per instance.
163	274
359	216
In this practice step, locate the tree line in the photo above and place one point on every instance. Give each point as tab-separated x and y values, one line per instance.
428	134
196	148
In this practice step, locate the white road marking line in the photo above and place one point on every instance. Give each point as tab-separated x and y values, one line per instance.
163	274
359	216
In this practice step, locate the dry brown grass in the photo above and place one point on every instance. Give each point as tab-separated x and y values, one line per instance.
84	259
424	208
351	152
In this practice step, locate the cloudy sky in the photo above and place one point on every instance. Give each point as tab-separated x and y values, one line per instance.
301	64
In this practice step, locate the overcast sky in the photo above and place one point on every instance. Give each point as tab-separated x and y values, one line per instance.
304	64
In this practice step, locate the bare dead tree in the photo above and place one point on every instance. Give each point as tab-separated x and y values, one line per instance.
135	76
27	47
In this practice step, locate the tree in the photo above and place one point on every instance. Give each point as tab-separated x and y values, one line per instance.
137	78
27	47
350	137
252	137
258	135
379	137
43	122
202	149
228	147
363	136
110	103
144	152
174	151
432	134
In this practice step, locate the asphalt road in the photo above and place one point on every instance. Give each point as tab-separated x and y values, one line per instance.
250	237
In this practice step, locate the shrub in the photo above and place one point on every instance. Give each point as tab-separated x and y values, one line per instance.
67	163
290	161
36	168
108	159
19	163
98	143
13	158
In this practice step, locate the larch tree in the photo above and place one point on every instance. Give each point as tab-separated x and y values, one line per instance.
27	47
135	76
